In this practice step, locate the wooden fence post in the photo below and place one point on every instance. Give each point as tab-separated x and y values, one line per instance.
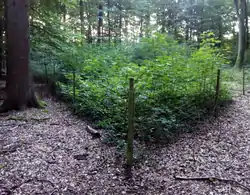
243	78
217	91
131	120
74	87
46	70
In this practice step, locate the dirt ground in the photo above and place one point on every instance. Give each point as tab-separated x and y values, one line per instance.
50	152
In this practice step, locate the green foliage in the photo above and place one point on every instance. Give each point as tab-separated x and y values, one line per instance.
175	83
173	86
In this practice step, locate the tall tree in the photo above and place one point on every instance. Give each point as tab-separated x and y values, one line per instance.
19	89
1	45
81	17
100	23
241	12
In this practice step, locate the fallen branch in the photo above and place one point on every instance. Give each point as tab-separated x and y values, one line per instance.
9	149
6	125
10	190
32	180
213	179
54	124
20	118
40	119
93	132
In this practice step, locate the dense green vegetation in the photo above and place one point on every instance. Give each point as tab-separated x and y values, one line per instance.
172	49
175	84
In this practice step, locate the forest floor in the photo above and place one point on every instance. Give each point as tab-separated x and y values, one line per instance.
50	152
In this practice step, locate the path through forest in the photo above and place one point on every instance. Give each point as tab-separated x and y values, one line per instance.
50	152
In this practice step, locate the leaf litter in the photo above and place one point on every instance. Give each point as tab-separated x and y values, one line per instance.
51	152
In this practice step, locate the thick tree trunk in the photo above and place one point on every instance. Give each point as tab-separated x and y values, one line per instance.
4	36
19	89
241	15
1	45
246	26
241	45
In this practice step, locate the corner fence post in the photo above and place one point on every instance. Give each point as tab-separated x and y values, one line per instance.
243	79
131	121
217	91
74	87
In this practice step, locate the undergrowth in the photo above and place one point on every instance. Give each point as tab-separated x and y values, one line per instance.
173	84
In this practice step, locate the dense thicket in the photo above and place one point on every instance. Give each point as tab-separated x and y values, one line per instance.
173	49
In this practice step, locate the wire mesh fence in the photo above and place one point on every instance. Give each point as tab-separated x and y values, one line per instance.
237	81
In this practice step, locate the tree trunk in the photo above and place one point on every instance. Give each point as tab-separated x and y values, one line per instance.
241	15
99	26
141	26
147	24
81	18
109	27
4	51
163	20
241	45
246	26
1	46
19	89
120	26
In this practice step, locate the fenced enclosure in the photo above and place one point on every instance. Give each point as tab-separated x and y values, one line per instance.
237	81
174	85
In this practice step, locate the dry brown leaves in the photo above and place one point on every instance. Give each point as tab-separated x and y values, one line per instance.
50	152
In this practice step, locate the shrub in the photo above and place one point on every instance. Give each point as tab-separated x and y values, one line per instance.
173	85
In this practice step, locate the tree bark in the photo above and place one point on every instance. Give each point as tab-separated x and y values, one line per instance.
109	27
246	26
19	87
100	22
241	15
1	45
89	31
82	18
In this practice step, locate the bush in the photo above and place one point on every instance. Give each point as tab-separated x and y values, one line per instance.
173	85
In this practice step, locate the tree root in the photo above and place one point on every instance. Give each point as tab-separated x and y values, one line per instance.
213	179
32	102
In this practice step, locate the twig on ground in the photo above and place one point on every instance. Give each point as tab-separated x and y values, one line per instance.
10	149
20	118
32	180
213	179
5	125
54	123
10	190
40	119
93	132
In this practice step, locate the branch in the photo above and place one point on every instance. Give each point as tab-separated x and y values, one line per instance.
10	190
93	132
213	179
40	119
